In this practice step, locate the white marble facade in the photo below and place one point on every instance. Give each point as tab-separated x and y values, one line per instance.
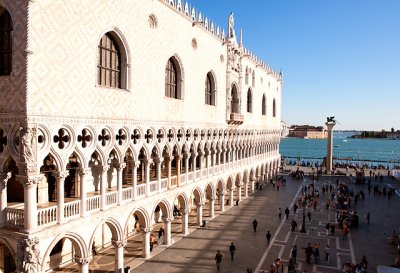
80	161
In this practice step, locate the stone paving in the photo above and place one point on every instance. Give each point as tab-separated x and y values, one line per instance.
196	251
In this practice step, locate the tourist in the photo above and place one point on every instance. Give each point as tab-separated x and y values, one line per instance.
327	250
294	254
287	213
218	260
151	242
232	250
309	216
160	235
316	253
327	227
308	251
280	213
293	225
295	207
255	225
268	235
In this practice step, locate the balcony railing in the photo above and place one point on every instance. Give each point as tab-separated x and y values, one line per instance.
236	119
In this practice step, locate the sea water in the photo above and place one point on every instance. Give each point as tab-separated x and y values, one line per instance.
384	152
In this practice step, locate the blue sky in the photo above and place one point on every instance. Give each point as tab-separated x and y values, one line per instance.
339	57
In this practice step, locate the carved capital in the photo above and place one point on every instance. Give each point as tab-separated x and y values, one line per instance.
136	164
28	181
119	243
178	157
105	168
82	260
61	175
121	166
27	168
185	211
85	171
167	219
4	177
145	230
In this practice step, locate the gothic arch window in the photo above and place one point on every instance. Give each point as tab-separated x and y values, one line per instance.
249	101
6	27
264	106
254	80
210	89
235	100
173	79
273	109
112	62
247	76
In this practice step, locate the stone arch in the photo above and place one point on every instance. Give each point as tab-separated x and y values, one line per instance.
77	241
115	228
198	195
182	199
143	219
165	207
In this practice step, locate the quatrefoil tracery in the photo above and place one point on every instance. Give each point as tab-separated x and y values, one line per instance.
62	138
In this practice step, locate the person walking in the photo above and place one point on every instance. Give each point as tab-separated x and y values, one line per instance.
160	236
295	207
294	254
327	250
309	216
151	242
232	250
218	260
316	253
268	235
287	212
255	223
280	213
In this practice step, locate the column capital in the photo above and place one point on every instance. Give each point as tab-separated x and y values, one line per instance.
200	204
136	164
185	211
158	160
118	243
166	219
61	175
105	168
178	157
28	181
84	171
121	166
145	230
82	260
4	177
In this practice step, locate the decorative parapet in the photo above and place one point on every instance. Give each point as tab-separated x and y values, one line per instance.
189	12
260	63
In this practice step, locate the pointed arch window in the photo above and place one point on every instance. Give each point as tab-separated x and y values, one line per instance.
273	109
210	89
109	62
235	100
264	106
6	27
249	101
173	79
254	80
246	79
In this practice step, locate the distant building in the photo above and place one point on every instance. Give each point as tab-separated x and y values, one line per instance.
393	135
307	131
284	129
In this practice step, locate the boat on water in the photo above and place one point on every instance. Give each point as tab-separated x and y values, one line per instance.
336	146
344	140
306	137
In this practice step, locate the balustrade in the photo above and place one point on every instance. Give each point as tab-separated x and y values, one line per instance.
15	217
153	186
164	183
71	209
47	216
126	194
111	198
93	203
141	189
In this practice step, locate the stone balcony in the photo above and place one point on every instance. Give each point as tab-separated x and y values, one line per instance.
236	119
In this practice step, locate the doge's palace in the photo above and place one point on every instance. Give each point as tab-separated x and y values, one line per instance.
122	117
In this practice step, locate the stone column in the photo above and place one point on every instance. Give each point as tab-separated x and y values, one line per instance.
167	228
83	191
194	155
120	168
185	221
4	177
246	189
60	178
231	191
329	147
83	263
211	208
178	169
159	162
135	165
147	175
103	186
119	255
169	170
239	189
222	202
200	214
201	154
252	185
146	243
30	205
